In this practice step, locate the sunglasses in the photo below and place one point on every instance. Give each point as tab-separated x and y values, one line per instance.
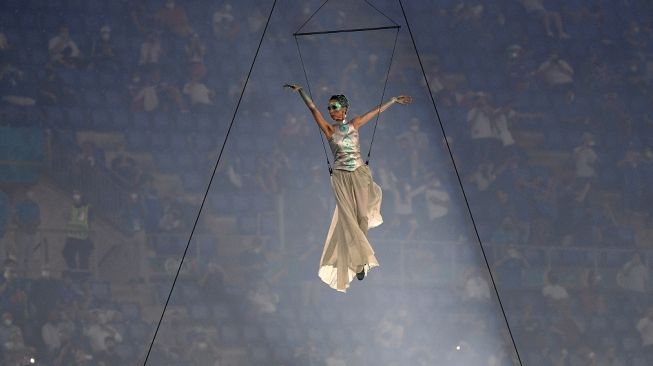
334	106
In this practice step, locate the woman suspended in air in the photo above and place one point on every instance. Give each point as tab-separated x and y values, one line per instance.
347	252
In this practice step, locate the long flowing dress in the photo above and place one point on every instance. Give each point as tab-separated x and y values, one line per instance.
358	208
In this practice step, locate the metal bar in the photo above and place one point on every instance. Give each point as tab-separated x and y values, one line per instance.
347	30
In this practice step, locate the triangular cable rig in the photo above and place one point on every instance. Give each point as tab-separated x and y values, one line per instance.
338	16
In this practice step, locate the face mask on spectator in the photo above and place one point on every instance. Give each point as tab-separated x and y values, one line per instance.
105	36
8	322
170	4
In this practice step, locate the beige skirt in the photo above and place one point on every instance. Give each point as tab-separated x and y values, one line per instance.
358	208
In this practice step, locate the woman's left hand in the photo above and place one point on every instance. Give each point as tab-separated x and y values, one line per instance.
403	99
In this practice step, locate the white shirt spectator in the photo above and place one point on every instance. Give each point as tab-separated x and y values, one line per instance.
437	201
97	335
150	52
633	277
501	129
645	329
59	44
51	336
556	71
150	98
585	158
555	292
480	124
477	288
198	93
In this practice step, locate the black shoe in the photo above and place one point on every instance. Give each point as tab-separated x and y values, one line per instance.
360	275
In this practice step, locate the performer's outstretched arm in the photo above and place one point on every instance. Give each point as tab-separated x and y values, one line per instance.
361	120
326	128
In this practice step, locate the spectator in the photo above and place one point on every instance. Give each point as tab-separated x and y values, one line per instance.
103	52
110	356
173	19
54	91
212	283
200	96
11	341
4	43
51	335
476	287
554	293
14	86
438	202
172	219
556	71
195	51
155	93
415	144
484	140
510	269
63	50
536	7
223	23
98	331
645	328
610	357
79	246
27	218
264	299
633	278
591	299
4	218
135	213
151	49
126	169
586	161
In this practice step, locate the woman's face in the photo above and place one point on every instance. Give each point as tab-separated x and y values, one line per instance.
336	110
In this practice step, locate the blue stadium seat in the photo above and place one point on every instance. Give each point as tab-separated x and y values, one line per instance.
101	119
248	225
141	121
193	182
159	141
162	121
137	140
179	142
251	333
229	334
199	312
269	225
138	330
101	290
77	118
221	203
120	117
93	98
131	311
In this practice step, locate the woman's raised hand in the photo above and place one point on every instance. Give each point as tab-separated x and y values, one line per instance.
294	87
403	99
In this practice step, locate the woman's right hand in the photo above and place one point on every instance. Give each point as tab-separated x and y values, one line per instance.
294	87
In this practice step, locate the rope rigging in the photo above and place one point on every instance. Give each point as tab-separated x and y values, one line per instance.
297	34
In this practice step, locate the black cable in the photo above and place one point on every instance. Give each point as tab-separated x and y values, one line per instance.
376	121
487	263
375	8
349	30
215	167
308	85
311	17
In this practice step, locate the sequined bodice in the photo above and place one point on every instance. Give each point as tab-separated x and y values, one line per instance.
345	146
